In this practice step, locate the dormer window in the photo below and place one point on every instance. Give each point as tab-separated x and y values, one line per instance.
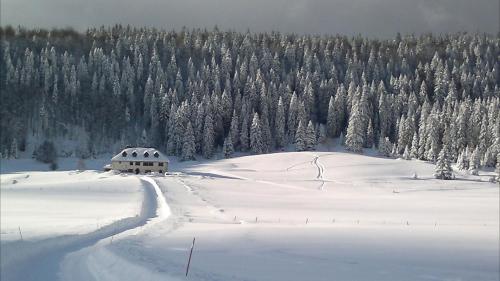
124	153
146	154
134	153
156	154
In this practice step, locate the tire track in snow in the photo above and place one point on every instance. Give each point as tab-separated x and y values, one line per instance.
98	263
41	260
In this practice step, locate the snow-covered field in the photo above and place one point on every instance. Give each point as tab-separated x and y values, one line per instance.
45	204
283	216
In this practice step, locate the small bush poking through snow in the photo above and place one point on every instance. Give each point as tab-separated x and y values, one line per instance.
46	152
53	166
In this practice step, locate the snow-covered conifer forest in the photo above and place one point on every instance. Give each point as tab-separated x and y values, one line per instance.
255	92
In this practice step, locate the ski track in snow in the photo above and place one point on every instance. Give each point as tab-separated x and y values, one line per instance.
89	259
321	170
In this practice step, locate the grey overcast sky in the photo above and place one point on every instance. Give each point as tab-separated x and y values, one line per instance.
373	18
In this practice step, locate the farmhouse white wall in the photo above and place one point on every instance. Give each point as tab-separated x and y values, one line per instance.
141	160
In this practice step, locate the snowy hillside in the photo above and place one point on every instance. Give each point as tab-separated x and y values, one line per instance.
282	216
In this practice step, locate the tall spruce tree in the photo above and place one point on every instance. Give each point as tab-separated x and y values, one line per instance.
227	148
355	136
208	137
188	144
300	137
310	137
443	167
280	124
256	143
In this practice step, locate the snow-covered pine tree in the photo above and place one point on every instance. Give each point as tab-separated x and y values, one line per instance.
234	131
322	137
497	170
369	135
244	135
14	152
330	120
488	159
280	124
310	137
443	168
188	143
293	111
300	137
414	146
208	137
406	154
475	161
384	146
355	136
227	148
256	143
463	159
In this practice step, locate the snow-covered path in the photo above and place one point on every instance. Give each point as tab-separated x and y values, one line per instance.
41	260
96	262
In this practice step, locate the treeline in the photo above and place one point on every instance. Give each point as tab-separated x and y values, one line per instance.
194	92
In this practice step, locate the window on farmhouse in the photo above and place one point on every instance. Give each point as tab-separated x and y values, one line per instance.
131	163
146	154
160	164
138	163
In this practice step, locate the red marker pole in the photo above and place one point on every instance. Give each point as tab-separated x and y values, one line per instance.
190	254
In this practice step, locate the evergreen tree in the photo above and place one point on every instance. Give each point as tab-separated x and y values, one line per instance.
355	136
322	137
300	138
280	124
310	137
475	160
488	159
188	143
384	146
406	154
227	148
463	159
244	135
234	132
208	137
414	147
256	143
497	170
14	153
330	121
369	135
443	168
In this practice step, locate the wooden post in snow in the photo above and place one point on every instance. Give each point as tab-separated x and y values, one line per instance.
190	254
20	233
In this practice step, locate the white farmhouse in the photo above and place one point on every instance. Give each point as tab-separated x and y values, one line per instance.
140	160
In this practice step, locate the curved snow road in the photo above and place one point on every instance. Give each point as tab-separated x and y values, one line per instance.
43	259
